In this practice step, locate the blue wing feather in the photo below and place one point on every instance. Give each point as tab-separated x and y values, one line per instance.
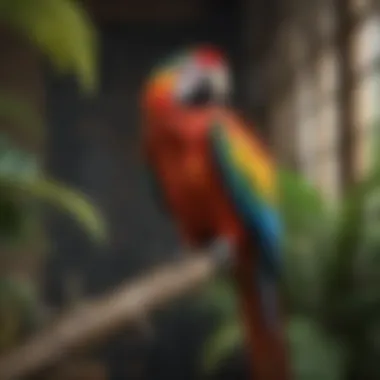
259	216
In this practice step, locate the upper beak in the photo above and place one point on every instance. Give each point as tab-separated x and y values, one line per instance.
220	83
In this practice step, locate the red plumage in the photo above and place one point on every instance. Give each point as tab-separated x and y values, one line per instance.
177	149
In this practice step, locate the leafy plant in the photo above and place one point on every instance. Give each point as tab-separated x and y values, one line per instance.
22	187
61	30
18	310
332	285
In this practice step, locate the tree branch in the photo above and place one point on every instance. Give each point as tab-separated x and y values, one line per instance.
95	320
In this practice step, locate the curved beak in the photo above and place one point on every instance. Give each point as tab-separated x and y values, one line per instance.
220	82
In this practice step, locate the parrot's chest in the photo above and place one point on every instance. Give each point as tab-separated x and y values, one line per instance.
194	185
191	190
201	205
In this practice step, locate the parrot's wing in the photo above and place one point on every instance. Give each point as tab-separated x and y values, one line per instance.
248	173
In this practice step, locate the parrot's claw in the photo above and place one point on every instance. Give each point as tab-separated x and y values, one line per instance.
222	250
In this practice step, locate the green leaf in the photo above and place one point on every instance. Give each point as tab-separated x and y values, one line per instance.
307	221
331	276
224	341
61	29
348	237
220	297
14	212
375	146
61	197
18	310
22	184
314	354
301	204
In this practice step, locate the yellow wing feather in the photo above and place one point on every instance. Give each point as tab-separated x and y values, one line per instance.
253	162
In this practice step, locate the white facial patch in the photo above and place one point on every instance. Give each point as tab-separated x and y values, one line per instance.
193	74
190	76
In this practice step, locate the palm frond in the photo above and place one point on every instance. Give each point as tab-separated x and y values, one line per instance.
61	29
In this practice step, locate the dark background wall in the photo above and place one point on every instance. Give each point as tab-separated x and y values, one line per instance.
94	144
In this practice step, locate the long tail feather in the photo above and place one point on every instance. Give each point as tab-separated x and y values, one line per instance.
263	322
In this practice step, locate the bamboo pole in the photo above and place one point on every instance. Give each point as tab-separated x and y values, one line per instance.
96	319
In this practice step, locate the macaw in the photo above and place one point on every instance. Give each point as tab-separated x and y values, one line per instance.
217	180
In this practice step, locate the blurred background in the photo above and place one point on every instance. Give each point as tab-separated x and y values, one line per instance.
308	73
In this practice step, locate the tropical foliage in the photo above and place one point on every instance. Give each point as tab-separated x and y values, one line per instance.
61	31
331	283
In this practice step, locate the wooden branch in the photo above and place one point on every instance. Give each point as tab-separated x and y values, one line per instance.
96	319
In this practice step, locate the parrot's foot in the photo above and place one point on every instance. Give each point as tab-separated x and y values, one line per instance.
222	250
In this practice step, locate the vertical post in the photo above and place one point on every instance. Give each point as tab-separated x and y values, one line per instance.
345	93
258	33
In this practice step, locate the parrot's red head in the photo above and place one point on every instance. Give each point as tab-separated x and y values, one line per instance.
195	77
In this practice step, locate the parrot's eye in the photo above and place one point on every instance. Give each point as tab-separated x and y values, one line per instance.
201	94
200	87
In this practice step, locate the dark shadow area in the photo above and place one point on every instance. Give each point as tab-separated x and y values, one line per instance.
95	145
